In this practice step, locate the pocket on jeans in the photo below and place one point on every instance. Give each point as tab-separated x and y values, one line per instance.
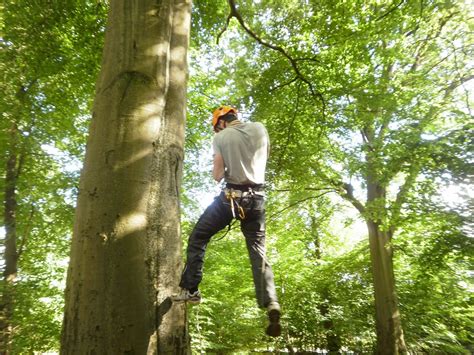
223	199
246	202
258	203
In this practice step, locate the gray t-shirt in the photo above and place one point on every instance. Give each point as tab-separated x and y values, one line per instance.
245	148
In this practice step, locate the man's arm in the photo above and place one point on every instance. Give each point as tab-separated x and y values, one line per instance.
218	168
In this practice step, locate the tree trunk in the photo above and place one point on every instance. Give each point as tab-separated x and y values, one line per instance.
126	246
390	338
10	244
333	341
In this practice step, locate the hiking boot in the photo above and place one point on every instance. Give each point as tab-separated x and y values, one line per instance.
187	296
274	328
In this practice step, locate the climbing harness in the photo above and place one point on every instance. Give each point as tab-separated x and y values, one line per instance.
231	195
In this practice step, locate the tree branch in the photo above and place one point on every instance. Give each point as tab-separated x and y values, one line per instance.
348	194
283	85
455	84
391	10
288	135
414	169
297	203
420	51
308	189
401	196
293	62
24	239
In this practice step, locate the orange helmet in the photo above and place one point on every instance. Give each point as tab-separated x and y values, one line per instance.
221	111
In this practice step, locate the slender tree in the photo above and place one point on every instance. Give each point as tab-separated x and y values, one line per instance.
126	248
10	244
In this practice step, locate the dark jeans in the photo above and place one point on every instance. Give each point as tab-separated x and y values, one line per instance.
216	217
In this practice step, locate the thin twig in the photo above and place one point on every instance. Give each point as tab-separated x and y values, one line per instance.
297	203
283	85
306	189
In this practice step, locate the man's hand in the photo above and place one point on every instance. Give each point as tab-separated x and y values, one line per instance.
218	168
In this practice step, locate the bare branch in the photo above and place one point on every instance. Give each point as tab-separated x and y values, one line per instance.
364	137
225	27
368	136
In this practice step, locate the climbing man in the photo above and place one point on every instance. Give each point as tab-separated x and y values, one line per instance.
240	156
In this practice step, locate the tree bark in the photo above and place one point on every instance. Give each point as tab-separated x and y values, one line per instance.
390	339
126	246
10	243
333	342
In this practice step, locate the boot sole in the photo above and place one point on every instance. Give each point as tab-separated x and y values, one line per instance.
180	300
194	301
274	328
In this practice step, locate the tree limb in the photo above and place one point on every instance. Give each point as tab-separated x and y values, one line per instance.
288	135
391	10
420	51
297	203
293	62
348	194
455	84
22	245
401	196
307	189
283	85
415	168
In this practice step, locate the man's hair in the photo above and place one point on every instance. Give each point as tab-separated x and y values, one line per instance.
229	117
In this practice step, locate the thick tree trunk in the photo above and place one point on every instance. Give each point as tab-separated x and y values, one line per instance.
126	247
10	244
390	338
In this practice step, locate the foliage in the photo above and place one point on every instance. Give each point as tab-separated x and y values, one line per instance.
48	69
434	266
342	83
354	94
